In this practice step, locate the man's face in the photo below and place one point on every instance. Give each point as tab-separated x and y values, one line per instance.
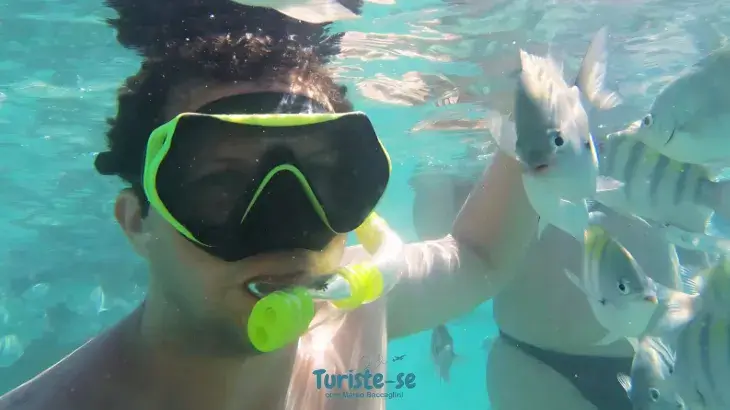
206	297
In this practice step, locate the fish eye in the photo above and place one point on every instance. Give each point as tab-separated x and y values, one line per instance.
654	394
557	137
623	286
648	120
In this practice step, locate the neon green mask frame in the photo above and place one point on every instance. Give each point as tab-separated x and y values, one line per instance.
161	140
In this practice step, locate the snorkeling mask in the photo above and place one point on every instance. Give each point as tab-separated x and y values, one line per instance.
237	181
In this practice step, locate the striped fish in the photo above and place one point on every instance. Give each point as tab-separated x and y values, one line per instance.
622	297
701	324
657	188
650	384
689	118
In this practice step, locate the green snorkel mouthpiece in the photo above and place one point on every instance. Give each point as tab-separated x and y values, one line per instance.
282	317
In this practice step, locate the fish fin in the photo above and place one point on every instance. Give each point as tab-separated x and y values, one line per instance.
646	222
680	309
592	74
663	292
604	183
625	381
575	280
722	207
553	210
487	343
316	11
634	342
680	401
658	344
608	339
591	204
503	133
574	219
457	358
692	283
695	241
714	170
583	219
542	224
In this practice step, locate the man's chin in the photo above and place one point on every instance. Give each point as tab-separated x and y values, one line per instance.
220	339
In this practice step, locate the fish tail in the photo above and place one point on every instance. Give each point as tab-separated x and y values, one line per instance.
316	11
592	74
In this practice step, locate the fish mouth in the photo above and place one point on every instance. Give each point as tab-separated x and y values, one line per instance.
540	168
651	299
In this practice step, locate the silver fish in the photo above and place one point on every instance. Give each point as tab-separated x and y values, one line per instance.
658	188
689	119
650	385
550	120
699	324
310	11
552	134
623	298
442	351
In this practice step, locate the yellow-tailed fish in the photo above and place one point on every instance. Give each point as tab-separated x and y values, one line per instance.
552	137
699	325
623	298
650	383
689	119
310	11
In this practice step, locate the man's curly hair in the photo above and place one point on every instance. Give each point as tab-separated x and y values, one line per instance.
206	40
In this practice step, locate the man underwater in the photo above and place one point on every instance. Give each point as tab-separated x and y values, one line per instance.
227	202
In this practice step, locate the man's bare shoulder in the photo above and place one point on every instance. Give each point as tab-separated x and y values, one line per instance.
53	388
86	379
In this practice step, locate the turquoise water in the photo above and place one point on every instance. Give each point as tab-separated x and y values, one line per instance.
59	72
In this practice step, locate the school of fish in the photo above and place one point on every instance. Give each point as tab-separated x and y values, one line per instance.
663	171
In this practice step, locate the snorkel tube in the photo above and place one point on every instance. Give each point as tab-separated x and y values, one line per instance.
283	316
